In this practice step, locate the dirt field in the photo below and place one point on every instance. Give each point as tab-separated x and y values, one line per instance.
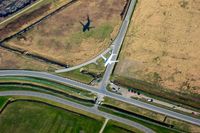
60	37
9	60
162	45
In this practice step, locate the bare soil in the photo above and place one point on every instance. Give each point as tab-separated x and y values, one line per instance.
162	45
60	37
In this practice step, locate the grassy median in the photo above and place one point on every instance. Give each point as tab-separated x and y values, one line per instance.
153	120
3	101
95	69
49	87
48	84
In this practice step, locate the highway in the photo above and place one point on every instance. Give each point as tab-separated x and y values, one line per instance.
48	76
77	106
102	90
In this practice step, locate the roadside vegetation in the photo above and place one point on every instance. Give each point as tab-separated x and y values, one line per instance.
3	102
109	102
49	87
181	125
191	99
154	126
96	68
167	107
19	87
45	83
126	110
86	74
77	75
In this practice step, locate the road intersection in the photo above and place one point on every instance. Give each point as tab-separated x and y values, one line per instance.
84	64
117	43
51	77
77	106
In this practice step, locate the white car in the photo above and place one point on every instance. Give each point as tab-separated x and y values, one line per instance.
150	100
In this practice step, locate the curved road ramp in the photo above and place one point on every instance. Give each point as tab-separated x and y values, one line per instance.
75	105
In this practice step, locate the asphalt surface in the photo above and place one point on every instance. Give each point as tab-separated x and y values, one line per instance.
66	81
116	49
117	43
83	64
78	106
102	90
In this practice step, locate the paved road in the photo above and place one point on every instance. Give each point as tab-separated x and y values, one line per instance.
117	43
84	64
66	81
116	49
102	91
78	106
26	9
104	125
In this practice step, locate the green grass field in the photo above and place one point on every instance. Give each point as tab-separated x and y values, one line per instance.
115	127
3	101
23	117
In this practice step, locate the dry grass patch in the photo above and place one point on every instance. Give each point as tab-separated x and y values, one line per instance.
60	37
162	45
9	60
134	109
181	125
